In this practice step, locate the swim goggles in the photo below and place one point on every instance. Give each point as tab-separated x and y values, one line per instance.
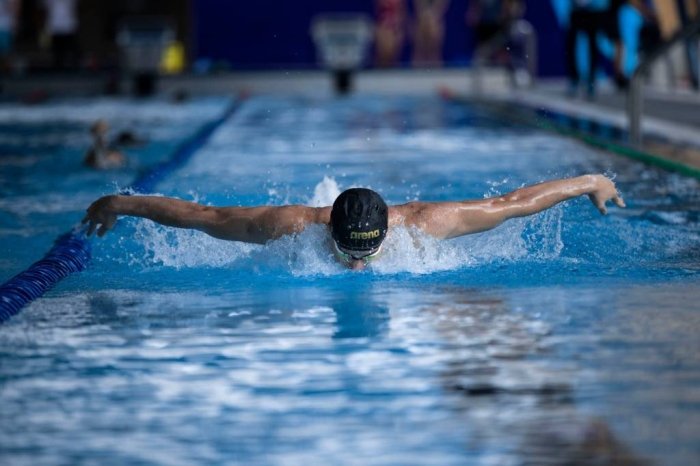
349	256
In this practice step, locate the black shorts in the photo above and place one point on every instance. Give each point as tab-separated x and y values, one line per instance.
484	32
591	22
585	20
610	24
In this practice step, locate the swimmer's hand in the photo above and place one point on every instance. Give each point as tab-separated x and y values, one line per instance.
103	213
603	191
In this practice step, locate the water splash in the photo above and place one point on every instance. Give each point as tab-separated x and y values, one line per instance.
544	239
185	248
310	253
325	193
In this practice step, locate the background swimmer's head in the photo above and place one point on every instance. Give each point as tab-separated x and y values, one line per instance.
359	220
99	128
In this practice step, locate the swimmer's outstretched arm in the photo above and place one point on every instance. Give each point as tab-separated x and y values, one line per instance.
247	224
452	219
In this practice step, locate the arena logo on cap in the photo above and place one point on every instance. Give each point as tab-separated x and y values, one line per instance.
364	234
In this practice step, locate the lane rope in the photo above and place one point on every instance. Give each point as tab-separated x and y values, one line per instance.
71	251
566	125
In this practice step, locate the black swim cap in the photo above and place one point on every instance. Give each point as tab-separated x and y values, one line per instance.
359	219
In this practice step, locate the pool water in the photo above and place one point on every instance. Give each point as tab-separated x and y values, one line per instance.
562	338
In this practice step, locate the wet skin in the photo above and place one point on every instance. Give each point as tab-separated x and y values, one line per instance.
351	263
357	260
356	264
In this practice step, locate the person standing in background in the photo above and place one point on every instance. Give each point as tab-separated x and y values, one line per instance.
491	21
101	156
592	17
650	34
611	28
62	28
485	18
8	20
587	17
390	32
428	32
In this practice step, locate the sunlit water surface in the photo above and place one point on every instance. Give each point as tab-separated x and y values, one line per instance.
563	338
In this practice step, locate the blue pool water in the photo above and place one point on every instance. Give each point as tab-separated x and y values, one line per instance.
563	338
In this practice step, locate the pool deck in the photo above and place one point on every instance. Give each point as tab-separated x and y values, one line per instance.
670	121
300	82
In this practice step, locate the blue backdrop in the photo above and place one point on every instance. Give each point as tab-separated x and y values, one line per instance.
274	34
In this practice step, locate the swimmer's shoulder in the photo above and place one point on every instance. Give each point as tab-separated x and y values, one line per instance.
405	214
294	214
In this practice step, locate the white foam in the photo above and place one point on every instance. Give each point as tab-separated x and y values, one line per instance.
325	193
186	248
309	252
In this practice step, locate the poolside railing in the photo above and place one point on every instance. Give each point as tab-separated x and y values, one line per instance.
635	97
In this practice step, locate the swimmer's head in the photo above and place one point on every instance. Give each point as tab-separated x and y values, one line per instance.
359	222
356	260
99	127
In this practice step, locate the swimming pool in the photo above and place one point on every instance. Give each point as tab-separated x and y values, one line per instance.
558	338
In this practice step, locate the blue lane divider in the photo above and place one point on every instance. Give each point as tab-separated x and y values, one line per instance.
71	251
147	181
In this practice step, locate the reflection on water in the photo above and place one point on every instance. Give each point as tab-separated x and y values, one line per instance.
358	317
514	398
444	374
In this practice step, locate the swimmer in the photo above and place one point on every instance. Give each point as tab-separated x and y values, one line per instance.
100	156
358	221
